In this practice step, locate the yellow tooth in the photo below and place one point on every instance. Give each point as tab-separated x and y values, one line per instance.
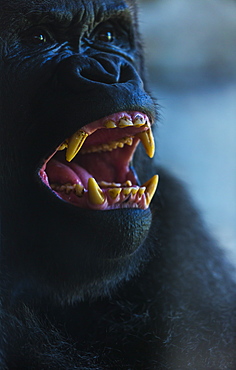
95	194
151	186
75	143
68	188
134	190
138	122
127	184
129	141
125	122
79	190
110	124
142	190
105	184
115	185
126	191
63	146
105	148
148	142
114	192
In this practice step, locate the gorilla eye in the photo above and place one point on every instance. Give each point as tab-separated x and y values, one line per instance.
36	36
105	32
105	35
39	38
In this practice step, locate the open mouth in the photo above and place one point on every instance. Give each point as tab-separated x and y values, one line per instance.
93	168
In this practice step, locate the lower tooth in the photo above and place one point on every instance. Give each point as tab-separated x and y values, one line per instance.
114	192
134	190
79	190
68	188
126	191
53	186
141	190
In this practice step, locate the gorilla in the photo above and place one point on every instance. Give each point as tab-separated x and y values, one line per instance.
101	267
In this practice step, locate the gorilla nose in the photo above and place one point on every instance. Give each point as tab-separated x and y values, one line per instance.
101	70
79	71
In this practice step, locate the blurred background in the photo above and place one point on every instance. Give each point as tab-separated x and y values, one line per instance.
191	58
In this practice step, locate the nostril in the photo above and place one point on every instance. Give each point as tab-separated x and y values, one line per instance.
99	74
80	72
80	69
125	73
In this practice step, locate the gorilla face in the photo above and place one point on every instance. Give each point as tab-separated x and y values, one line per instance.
73	111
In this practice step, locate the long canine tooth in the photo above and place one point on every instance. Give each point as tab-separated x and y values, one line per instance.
148	142
114	192
95	193
151	186
75	143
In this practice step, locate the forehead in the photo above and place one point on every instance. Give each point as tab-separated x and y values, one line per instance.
13	11
25	6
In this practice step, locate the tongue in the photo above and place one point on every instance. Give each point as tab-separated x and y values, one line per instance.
61	174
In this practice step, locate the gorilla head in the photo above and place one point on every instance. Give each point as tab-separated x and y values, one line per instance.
74	216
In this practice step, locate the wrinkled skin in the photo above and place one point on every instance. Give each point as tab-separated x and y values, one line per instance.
87	286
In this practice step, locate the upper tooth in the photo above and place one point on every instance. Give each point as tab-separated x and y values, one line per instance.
63	146
110	124
95	193
108	147
127	183
125	122
151	186
148	142
75	143
105	184
139	121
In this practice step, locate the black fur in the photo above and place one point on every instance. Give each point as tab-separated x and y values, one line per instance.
91	289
